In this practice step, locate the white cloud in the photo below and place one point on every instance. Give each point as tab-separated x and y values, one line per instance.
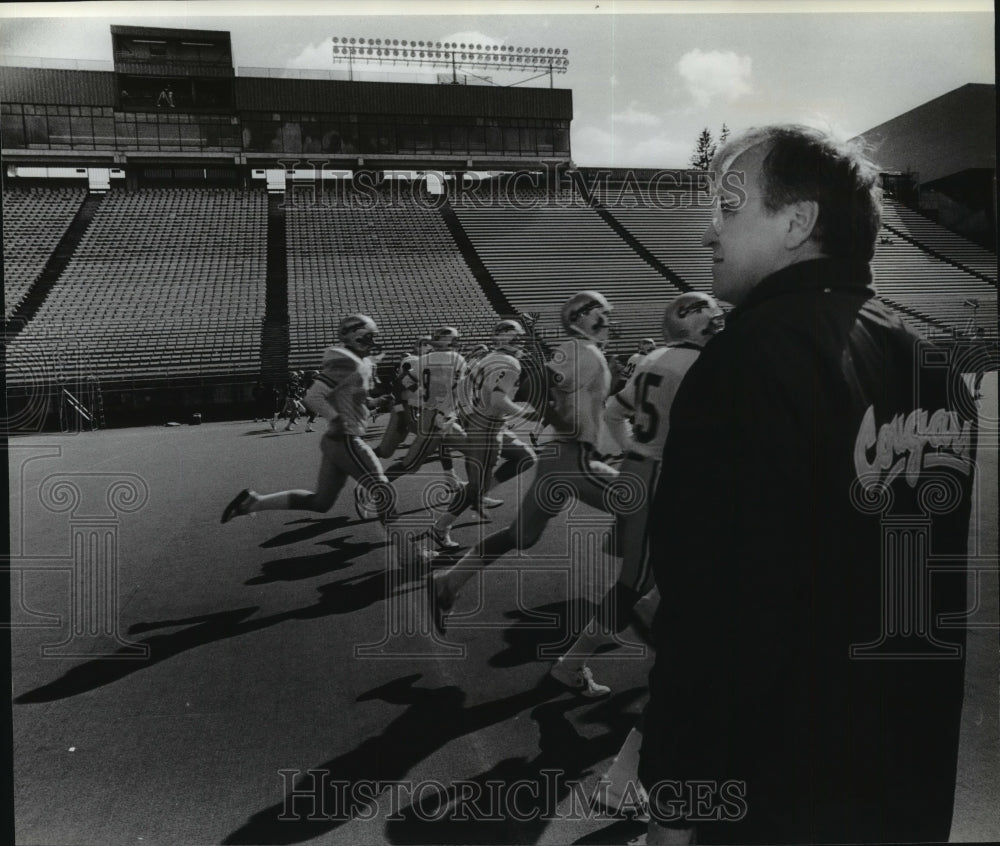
471	38
715	74
633	116
314	56
595	146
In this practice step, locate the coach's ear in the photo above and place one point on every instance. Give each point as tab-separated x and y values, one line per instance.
801	220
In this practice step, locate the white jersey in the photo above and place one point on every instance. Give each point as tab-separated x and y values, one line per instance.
630	366
346	382
582	380
410	379
438	373
490	379
650	393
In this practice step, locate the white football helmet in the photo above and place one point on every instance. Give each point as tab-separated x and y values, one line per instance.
646	346
693	317
508	335
359	334
445	338
587	314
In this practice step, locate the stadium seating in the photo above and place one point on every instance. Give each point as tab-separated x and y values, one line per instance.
907	276
393	260
165	282
958	250
171	283
540	253
34	219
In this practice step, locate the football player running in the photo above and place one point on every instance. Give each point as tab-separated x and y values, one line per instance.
406	407
488	402
438	372
341	394
689	322
579	381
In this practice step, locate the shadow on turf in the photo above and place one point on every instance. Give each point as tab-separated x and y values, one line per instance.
343	553
564	765
311	528
339	597
527	635
434	718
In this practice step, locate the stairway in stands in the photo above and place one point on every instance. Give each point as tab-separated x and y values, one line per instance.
54	267
496	297
274	337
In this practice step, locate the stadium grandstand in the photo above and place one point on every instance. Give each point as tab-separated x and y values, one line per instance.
174	232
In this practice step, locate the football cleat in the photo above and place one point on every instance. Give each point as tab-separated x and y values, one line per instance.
579	680
440	604
443	538
238	507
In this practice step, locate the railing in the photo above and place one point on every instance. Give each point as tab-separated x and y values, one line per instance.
55	63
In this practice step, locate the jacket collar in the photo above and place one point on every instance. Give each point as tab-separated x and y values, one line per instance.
812	275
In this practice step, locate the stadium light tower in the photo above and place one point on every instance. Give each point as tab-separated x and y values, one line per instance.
547	60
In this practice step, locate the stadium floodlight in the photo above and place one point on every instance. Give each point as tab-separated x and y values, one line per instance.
548	60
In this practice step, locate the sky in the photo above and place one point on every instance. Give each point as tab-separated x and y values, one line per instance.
646	77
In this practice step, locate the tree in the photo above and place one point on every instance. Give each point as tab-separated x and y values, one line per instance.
701	158
724	135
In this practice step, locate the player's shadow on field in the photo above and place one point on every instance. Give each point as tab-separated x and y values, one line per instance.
434	717
308	528
340	597
343	553
528	634
507	814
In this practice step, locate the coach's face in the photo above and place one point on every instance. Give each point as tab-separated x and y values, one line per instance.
748	242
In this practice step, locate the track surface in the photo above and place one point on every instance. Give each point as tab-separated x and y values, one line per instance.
288	642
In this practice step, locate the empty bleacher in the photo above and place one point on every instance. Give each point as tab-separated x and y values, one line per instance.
34	219
907	276
165	283
674	236
540	252
958	250
393	259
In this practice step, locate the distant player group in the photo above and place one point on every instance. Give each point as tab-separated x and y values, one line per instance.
472	405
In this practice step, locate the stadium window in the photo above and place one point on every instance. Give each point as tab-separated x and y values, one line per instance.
170	136
528	139
104	131
82	130
422	139
12	130
477	139
125	133
494	140
148	138
511	140
30	110
442	139
459	139
543	137
190	136
561	140
36	131
291	137
59	135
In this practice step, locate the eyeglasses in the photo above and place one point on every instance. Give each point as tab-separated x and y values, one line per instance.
725	208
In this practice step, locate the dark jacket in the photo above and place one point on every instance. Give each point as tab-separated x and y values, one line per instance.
816	479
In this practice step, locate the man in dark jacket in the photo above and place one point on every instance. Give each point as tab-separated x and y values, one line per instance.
810	532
